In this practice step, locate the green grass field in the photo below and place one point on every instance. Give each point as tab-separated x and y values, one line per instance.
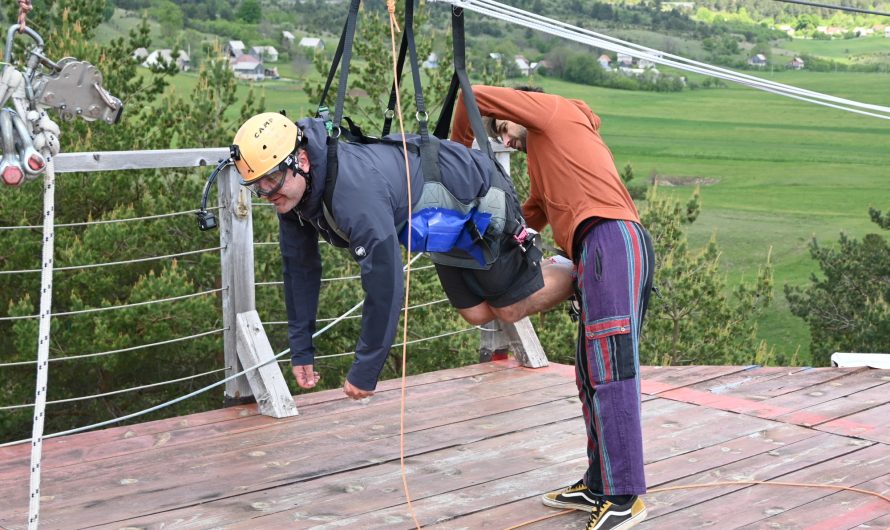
784	171
854	51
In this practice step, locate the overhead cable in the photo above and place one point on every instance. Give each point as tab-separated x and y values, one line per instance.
839	8
560	29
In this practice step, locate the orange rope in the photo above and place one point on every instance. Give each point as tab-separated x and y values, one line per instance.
24	8
727	483
393	27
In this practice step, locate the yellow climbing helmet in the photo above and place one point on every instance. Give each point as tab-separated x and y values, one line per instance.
263	144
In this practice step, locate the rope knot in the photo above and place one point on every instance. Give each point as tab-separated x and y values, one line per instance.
24	8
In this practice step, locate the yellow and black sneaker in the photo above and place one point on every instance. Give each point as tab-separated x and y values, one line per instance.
576	497
609	516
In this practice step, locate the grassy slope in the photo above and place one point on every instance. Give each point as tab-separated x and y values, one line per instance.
863	50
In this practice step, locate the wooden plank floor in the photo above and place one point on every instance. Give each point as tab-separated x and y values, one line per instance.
483	442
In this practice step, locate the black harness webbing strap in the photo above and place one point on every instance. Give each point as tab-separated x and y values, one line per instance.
429	147
460	71
334	64
400	64
444	123
333	137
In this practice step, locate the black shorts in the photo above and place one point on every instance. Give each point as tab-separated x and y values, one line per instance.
511	278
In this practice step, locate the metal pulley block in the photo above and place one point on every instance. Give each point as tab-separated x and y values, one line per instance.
28	137
76	91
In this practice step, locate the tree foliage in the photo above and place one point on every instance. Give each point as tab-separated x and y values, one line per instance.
154	118
847	307
693	317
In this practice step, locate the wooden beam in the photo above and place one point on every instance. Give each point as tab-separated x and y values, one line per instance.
236	261
519	338
151	159
268	385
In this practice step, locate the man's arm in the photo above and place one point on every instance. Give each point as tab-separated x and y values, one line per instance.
374	245
532	110
302	282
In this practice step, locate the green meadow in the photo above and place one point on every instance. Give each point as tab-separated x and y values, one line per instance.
862	50
776	171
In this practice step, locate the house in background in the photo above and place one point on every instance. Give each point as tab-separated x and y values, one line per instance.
525	67
265	53
312	42
605	61
234	49
248	67
624	60
796	64
786	28
287	40
887	32
166	57
140	54
758	61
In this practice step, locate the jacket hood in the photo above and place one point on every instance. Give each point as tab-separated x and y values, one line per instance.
316	147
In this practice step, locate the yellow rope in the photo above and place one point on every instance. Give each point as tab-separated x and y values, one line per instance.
393	28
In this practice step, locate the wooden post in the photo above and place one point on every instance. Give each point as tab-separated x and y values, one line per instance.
267	383
498	336
236	240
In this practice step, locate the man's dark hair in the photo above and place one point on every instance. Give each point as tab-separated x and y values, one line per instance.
491	127
528	88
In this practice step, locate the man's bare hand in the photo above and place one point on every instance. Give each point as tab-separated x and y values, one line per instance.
355	392
305	375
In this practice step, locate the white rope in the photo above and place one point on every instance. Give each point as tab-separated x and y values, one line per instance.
200	390
114	392
125	262
109	221
415	341
567	31
356	277
46	301
131	348
123	306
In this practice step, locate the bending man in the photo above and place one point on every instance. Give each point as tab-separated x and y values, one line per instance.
576	189
475	231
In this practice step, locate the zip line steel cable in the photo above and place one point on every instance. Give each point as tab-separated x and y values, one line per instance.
560	29
200	390
555	27
121	350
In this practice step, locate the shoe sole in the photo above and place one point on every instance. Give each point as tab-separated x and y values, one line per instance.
630	523
566	505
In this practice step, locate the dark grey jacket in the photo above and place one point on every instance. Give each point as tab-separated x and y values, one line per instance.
369	202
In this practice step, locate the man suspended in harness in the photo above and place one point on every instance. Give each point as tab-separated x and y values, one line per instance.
467	216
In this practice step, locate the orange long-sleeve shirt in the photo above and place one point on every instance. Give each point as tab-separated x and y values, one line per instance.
572	172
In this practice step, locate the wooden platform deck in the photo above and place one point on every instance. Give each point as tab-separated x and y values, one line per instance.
483	442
